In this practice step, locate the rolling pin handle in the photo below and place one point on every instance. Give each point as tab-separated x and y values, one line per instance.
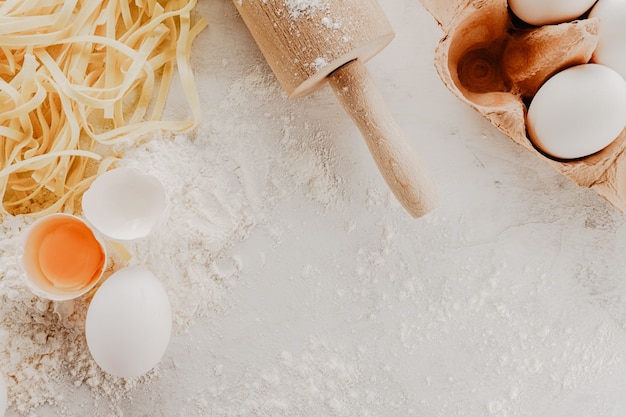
396	160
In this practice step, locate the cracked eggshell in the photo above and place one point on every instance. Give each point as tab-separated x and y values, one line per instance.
611	49
129	323
55	237
124	204
578	111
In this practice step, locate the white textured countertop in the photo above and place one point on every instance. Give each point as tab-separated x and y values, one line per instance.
310	291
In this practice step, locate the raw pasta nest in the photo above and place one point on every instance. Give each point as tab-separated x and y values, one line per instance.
78	74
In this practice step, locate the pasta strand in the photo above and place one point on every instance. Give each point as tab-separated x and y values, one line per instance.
79	74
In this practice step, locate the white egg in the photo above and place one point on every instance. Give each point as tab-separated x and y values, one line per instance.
3	396
547	12
124	204
611	49
129	323
578	111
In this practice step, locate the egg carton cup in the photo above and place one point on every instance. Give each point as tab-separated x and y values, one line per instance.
495	64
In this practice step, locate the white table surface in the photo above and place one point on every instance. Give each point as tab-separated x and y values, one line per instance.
508	300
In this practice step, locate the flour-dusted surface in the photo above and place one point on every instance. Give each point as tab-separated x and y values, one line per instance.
299	8
300	287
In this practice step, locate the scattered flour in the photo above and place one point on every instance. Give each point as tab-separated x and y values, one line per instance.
329	23
299	8
42	343
325	379
319	63
215	200
479	325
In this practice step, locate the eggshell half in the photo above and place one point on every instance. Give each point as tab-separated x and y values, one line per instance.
124	204
129	322
29	258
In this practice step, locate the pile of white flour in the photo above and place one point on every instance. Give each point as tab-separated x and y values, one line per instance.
299	8
215	199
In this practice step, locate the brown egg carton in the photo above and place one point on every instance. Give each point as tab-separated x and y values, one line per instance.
495	63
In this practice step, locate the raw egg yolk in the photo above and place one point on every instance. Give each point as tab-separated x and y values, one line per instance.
70	256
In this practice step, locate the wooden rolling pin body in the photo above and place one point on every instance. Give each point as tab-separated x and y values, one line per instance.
309	43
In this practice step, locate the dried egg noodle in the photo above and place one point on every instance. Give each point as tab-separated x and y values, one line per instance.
75	74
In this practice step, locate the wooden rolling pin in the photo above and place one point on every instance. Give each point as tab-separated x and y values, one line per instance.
308	42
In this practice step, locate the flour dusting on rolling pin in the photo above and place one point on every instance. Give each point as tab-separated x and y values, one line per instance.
309	42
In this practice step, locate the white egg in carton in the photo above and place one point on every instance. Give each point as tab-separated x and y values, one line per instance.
550	74
129	319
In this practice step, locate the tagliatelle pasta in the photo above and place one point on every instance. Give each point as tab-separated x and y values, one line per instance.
78	74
